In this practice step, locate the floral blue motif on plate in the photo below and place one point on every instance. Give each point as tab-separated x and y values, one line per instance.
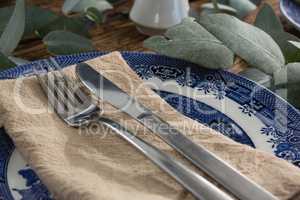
274	128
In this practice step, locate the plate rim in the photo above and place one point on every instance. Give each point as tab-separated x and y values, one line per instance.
289	18
25	66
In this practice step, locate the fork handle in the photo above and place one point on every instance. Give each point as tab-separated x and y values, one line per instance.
193	182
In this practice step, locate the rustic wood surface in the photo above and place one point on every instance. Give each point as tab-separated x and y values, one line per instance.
117	34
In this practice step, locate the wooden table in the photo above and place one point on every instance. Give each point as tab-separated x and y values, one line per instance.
118	34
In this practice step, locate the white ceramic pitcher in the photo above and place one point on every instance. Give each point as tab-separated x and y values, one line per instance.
155	16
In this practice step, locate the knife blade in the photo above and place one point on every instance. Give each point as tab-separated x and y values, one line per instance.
238	184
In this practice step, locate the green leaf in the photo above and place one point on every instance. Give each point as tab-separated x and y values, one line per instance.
288	74
94	15
75	25
250	43
290	52
14	30
191	42
225	2
5	63
5	14
268	21
63	42
83	5
37	18
286	83
243	7
295	43
208	8
115	1
69	5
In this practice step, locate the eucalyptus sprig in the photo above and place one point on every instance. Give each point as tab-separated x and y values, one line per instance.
12	33
265	46
22	22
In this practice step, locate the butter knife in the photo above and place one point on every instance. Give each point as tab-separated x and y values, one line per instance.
238	184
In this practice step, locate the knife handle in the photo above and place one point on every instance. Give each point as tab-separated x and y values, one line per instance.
193	182
240	186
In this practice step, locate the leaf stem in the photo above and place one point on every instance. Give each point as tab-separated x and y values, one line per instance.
216	6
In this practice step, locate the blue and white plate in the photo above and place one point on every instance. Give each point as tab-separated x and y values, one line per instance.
238	108
291	10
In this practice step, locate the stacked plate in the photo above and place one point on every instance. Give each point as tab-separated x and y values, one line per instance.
291	10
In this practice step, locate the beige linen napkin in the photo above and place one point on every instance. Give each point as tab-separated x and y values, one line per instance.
90	164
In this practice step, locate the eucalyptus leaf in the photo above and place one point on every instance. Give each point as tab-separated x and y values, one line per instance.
250	43
224	2
5	14
36	18
75	25
191	42
94	15
288	74
83	5
14	30
256	2
208	8
243	7
115	1
286	83
227	2
291	53
268	21
295	43
5	63
69	5
64	42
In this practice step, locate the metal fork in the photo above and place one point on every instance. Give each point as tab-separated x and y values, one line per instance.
75	108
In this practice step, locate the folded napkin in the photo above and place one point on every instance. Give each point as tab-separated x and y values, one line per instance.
91	164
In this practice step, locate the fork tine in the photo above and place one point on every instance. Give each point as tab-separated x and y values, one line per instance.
66	100
62	87
79	97
83	107
55	85
55	98
69	85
